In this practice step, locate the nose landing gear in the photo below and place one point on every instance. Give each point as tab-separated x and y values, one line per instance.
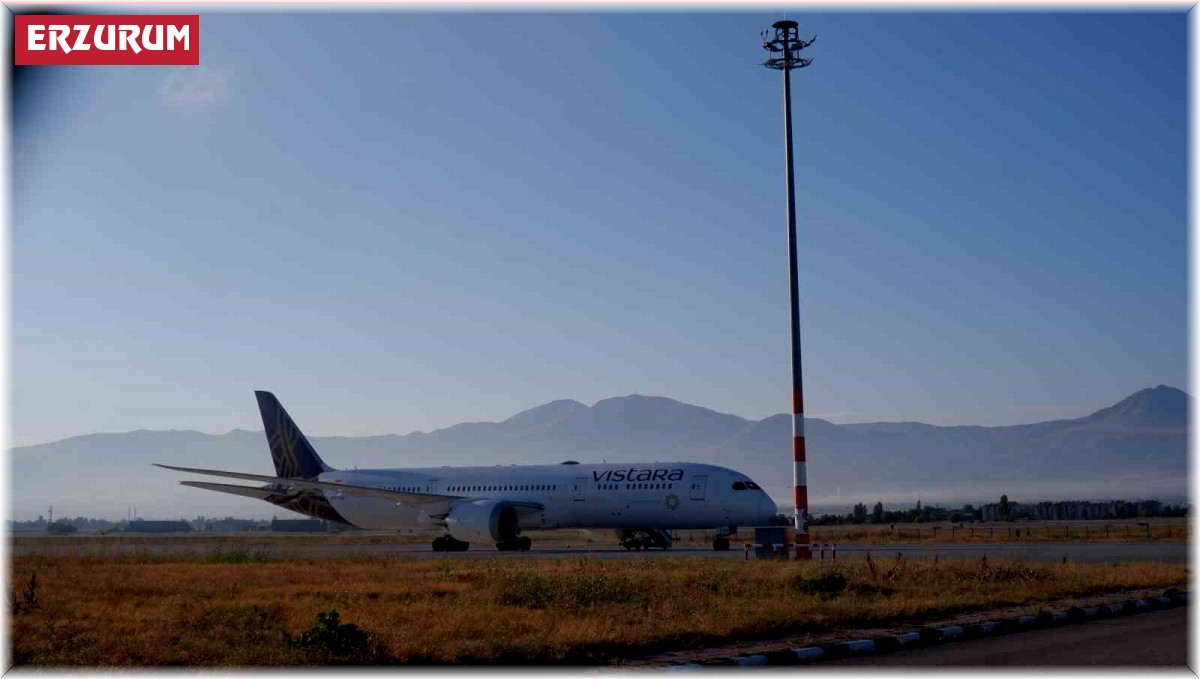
721	538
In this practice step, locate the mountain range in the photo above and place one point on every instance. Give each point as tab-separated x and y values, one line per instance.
1136	448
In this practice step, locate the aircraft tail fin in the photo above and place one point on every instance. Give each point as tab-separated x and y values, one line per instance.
293	455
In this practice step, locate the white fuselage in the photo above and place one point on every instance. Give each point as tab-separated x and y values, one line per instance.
643	496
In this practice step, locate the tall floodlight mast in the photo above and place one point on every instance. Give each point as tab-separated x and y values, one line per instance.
785	55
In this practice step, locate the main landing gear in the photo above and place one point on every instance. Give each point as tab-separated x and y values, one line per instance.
720	544
515	545
449	544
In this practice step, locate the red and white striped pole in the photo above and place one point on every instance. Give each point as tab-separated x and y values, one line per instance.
785	56
799	472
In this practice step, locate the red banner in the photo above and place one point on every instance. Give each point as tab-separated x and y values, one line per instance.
107	40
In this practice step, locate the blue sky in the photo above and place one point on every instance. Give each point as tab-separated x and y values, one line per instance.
399	221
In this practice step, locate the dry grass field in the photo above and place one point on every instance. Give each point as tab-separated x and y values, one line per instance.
1175	530
1007	532
241	607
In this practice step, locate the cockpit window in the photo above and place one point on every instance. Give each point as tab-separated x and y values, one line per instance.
752	485
738	485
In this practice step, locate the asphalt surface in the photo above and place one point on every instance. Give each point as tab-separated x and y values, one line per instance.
1142	640
1079	552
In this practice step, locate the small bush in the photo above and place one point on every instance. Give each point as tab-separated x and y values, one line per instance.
27	599
335	641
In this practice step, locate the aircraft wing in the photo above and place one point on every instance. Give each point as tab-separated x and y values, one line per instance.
367	491
432	503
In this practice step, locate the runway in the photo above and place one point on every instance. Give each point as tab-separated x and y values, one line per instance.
321	548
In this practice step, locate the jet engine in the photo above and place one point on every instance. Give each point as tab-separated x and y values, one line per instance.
483	521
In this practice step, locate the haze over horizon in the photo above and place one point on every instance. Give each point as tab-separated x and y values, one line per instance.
615	398
1136	448
992	220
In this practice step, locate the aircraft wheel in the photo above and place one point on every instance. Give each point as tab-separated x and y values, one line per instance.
439	544
721	545
526	544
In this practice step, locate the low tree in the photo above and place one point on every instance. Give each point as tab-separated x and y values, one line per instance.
860	513
61	527
877	513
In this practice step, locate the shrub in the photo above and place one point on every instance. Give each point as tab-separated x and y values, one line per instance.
335	641
27	599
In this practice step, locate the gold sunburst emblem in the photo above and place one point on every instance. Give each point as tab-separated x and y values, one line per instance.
672	502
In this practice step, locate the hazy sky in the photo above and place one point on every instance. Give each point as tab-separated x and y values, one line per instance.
401	221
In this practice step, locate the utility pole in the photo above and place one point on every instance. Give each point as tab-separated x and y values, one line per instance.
785	49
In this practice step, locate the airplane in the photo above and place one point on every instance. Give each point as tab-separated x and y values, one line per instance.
643	502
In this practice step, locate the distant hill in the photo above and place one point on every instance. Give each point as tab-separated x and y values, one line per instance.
1135	448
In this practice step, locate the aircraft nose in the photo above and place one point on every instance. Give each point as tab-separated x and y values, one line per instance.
767	509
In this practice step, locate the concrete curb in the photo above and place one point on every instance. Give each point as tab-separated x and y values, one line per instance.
927	636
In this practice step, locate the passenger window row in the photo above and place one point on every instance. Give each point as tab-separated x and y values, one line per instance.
476	489
636	486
